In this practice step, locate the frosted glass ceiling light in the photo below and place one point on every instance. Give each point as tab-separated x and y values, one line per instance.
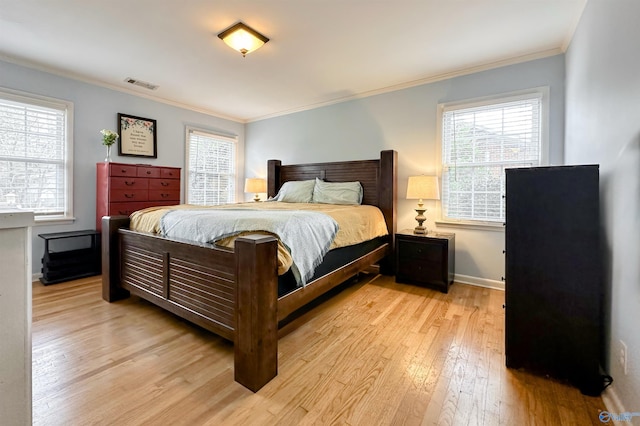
243	38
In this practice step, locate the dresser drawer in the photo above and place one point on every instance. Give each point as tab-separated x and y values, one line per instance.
164	184
170	173
123	170
119	195
117	209
129	183
164	195
151	172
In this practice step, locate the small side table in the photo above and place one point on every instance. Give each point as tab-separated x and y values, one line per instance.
425	259
71	262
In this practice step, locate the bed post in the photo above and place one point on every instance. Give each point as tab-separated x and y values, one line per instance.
256	325
388	201
111	290
273	177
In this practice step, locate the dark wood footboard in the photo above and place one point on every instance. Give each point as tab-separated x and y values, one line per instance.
232	293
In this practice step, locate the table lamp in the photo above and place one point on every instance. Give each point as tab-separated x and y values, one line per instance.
255	185
422	188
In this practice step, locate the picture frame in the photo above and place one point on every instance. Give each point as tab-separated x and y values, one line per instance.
138	136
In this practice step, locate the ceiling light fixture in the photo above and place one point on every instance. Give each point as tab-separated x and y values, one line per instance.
243	38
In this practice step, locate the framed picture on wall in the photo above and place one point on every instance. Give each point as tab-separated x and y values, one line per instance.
137	136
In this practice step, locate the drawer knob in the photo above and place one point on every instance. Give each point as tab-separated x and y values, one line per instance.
164	195
148	172
164	183
129	195
126	182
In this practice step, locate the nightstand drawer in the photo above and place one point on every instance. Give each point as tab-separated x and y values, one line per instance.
427	272
425	252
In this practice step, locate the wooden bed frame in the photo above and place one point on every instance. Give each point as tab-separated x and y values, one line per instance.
234	292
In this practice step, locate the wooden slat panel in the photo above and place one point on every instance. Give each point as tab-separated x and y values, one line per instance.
202	290
204	278
204	255
366	172
204	308
142	269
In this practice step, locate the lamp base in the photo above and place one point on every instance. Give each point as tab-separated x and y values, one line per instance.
420	218
256	198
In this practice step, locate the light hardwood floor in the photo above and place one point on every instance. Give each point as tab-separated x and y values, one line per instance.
376	353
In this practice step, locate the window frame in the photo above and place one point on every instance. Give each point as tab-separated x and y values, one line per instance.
68	108
540	92
217	135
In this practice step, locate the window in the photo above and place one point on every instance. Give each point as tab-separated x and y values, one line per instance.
480	140
211	168
35	155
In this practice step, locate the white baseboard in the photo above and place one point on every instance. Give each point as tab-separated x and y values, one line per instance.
480	282
614	406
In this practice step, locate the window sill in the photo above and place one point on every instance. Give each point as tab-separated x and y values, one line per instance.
56	221
484	226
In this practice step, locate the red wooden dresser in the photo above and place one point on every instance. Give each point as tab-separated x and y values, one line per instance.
124	188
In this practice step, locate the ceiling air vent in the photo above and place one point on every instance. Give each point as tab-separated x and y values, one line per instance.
141	83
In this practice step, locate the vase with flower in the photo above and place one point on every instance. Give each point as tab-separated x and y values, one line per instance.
108	138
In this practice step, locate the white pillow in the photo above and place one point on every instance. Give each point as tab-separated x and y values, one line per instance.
337	192
296	191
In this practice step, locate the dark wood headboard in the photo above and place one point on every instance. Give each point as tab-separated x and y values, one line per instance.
379	179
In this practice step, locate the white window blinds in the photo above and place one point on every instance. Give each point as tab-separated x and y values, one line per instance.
34	163
211	174
478	143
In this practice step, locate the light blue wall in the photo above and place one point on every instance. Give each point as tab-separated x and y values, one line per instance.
603	126
405	120
96	108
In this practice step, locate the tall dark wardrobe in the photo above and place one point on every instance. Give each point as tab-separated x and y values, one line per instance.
553	279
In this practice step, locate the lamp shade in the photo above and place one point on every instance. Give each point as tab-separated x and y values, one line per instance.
255	185
423	187
242	38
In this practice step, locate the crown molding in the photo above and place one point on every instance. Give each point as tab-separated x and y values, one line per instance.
82	78
419	82
366	94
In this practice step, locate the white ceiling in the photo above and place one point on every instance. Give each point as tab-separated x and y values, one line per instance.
320	52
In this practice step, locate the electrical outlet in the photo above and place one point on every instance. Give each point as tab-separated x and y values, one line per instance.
622	357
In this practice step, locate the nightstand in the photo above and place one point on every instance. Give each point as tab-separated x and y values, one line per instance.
426	259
